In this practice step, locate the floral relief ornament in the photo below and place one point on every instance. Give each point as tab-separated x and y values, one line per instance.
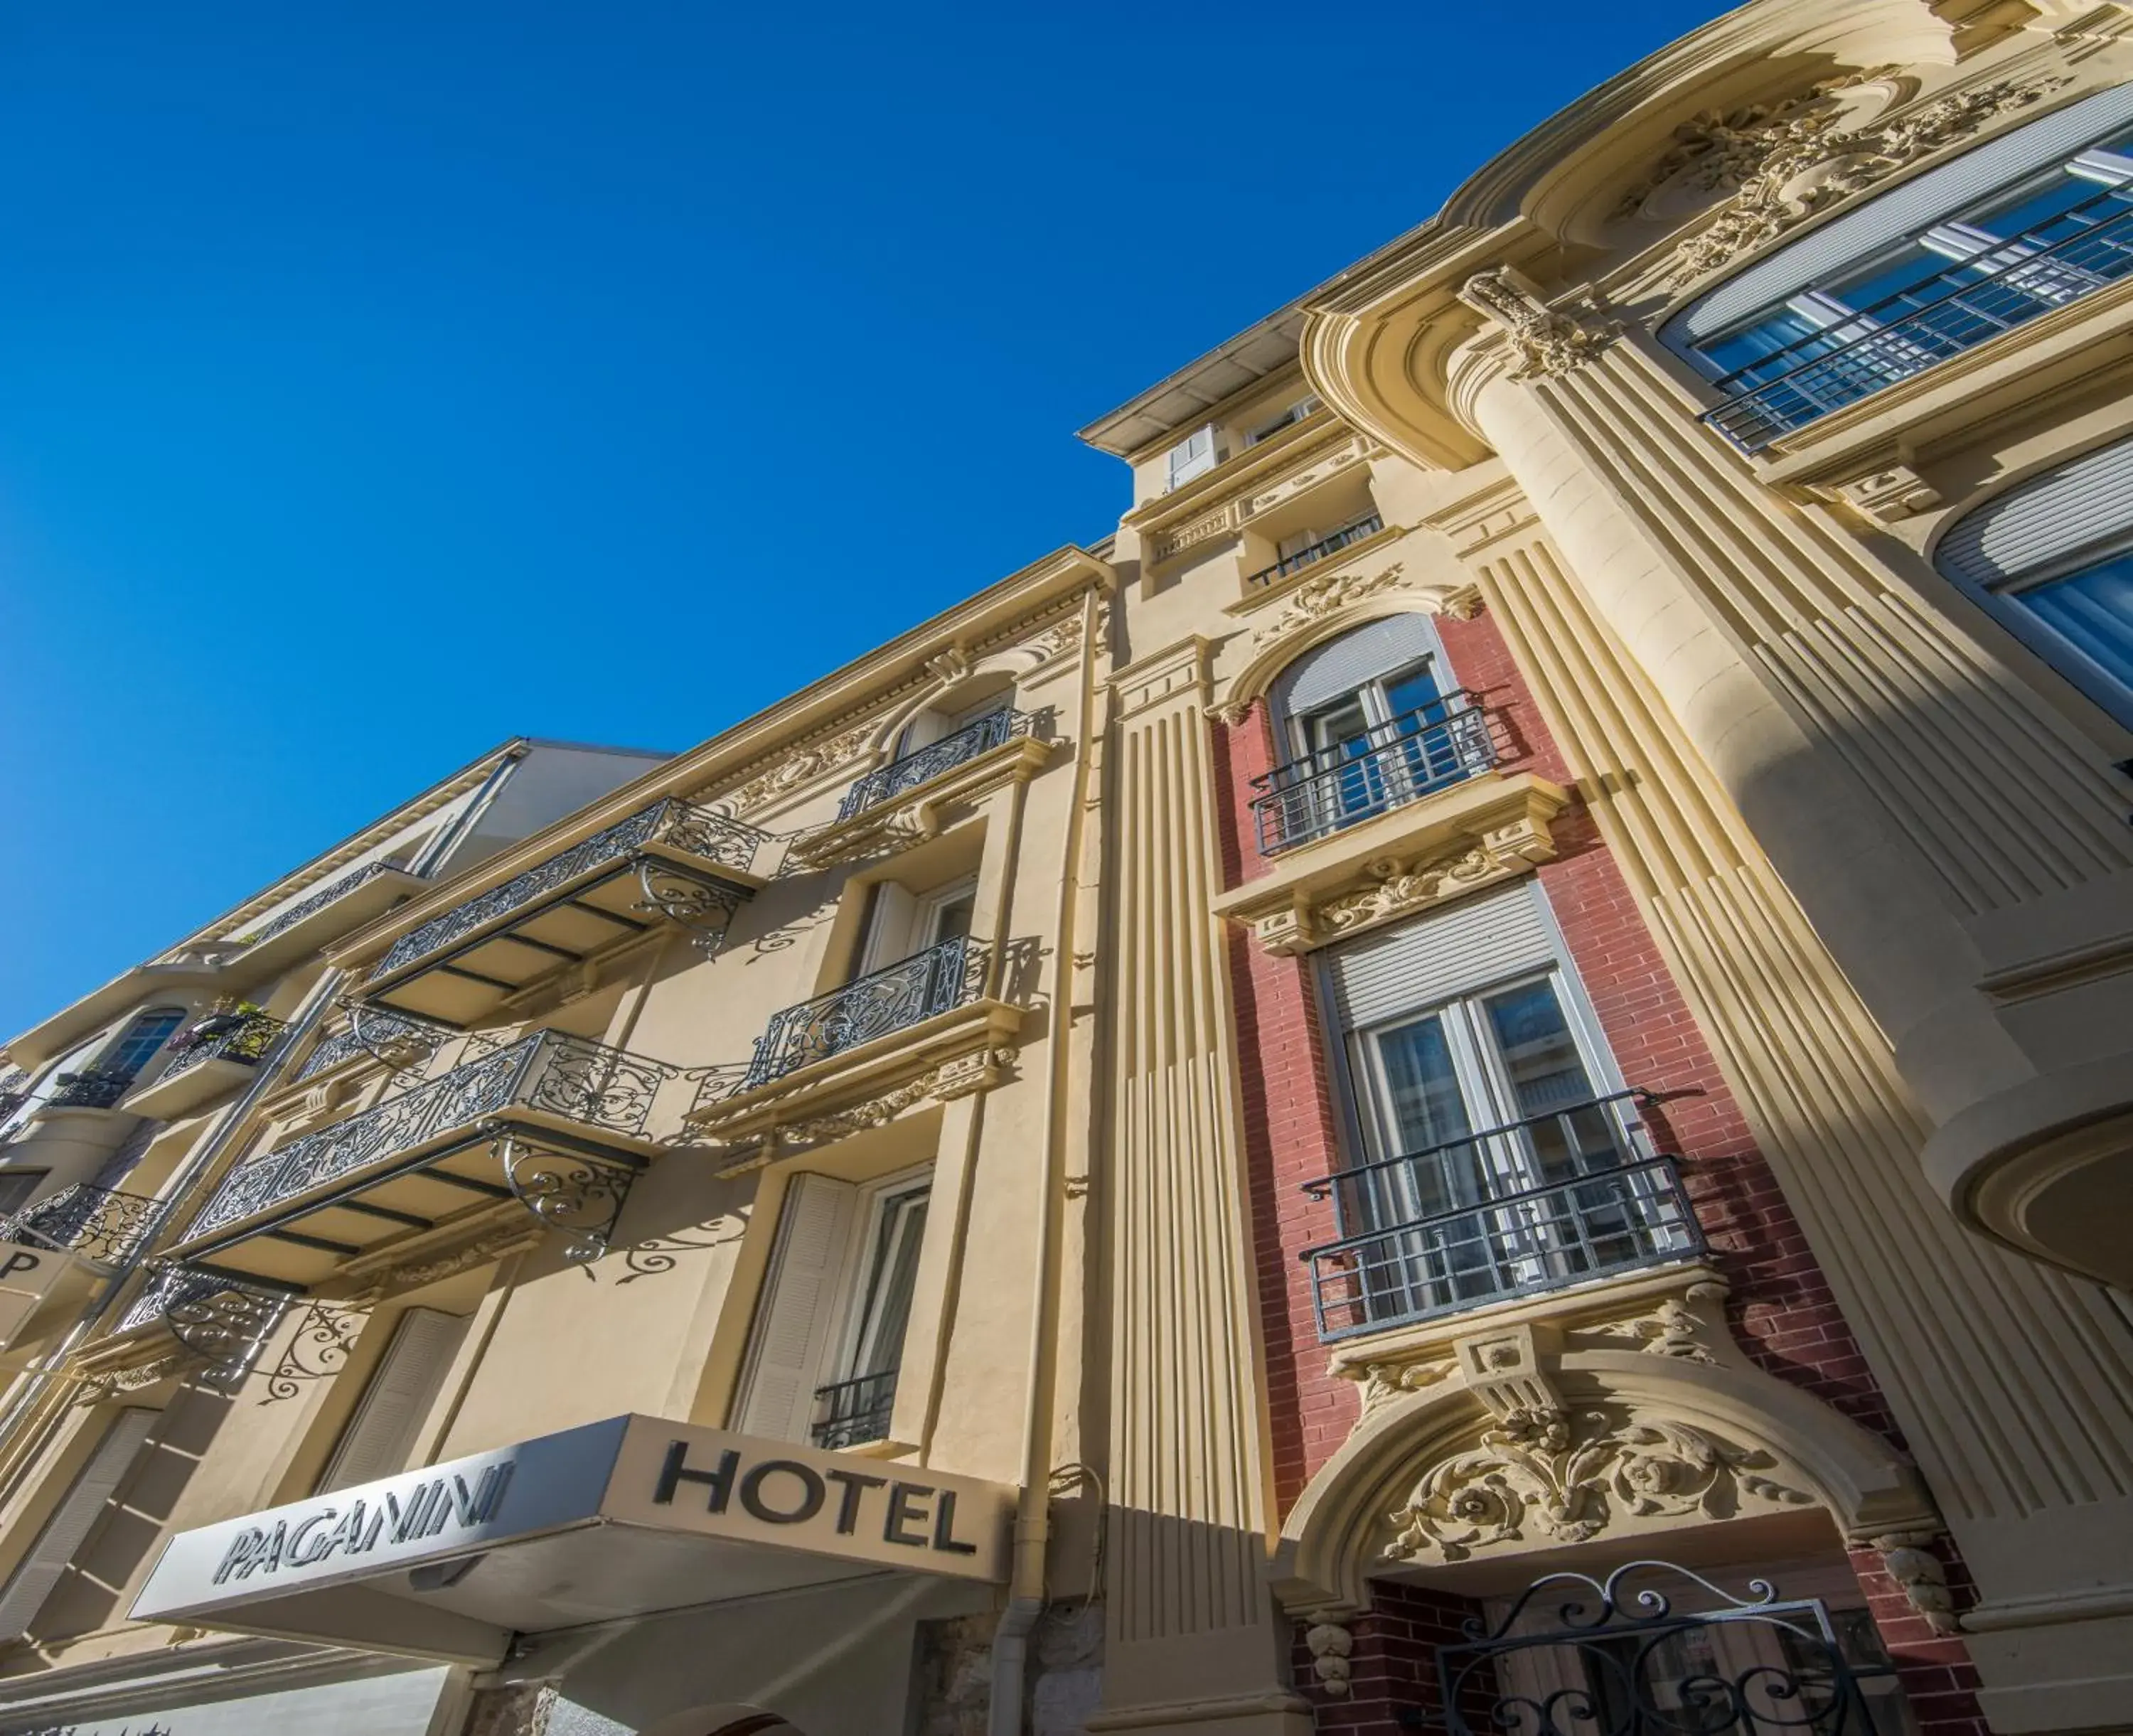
1553	1476
1791	166
1547	340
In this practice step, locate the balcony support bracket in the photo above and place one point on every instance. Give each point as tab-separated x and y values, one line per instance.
567	1192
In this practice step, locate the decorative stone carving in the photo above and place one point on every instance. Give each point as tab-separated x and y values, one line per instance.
1057	640
1309	604
958	1078
1889	495
1385	1381
1217	521
1399	888
100	1388
1549	340
1671	1329
1562	1477
796	769
1791	165
1329	1644
1922	1576
479	1252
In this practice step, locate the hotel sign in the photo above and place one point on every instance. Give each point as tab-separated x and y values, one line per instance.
28	1275
631	1474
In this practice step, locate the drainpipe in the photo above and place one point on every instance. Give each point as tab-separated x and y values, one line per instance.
39	1381
1032	1519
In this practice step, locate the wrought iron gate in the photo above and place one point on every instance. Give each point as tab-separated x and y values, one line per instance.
1580	1656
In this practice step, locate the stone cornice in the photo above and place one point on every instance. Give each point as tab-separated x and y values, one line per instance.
1489	829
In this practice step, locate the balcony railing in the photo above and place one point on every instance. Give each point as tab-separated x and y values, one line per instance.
247	1038
607	1090
318	901
93	1087
934	981
378	1030
1386	766
100	1224
712	837
1404	1254
853	1412
925	763
1367	525
2005	286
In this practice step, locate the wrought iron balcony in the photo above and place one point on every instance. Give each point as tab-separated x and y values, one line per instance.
852	1412
671	860
100	1224
331	892
1386	766
559	1124
1453	1228
247	1038
93	1087
935	981
219	1318
2083	250
377	1035
923	764
1369	524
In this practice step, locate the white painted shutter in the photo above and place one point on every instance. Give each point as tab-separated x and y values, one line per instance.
891	921
1398	641
1476	942
1916	205
802	1301
382	1433
2045	521
1193	456
71	1522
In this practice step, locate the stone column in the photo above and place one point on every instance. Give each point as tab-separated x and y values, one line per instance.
1757	715
1195	1645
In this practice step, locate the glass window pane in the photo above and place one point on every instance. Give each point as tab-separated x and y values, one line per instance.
2092	611
891	1275
1548	1075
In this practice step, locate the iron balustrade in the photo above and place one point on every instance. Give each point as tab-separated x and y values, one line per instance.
1386	766
589	1082
311	906
247	1038
101	1224
852	1412
93	1087
923	764
1367	525
676	824
378	1029
1454	1226
935	981
175	1289
1903	334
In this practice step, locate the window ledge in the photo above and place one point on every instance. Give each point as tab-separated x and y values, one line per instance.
952	1055
1225	501
1326	566
914	815
1953	400
1485	829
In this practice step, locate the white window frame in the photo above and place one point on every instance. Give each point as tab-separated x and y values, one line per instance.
1194	455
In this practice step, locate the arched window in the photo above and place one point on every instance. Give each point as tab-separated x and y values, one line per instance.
1369	720
141	1041
2028	222
2052	560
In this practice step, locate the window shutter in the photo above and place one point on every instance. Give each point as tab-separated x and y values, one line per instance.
1341	666
70	1523
379	1436
1192	456
1476	942
1904	210
890	921
2045	521
799	1314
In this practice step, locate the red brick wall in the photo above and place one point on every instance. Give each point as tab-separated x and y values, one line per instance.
1392	1666
1781	1309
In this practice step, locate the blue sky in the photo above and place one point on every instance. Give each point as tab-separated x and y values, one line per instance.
371	378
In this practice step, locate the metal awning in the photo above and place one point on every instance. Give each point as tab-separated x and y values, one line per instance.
619	1519
671	860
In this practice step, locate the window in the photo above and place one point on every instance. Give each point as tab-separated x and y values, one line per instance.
2031	221
1372	724
1295	413
141	1041
18	1185
901	923
829	1341
1496	1149
1192	456
381	1434
72	1521
2052	560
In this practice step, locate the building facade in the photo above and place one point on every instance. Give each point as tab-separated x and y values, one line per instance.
1480	1074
